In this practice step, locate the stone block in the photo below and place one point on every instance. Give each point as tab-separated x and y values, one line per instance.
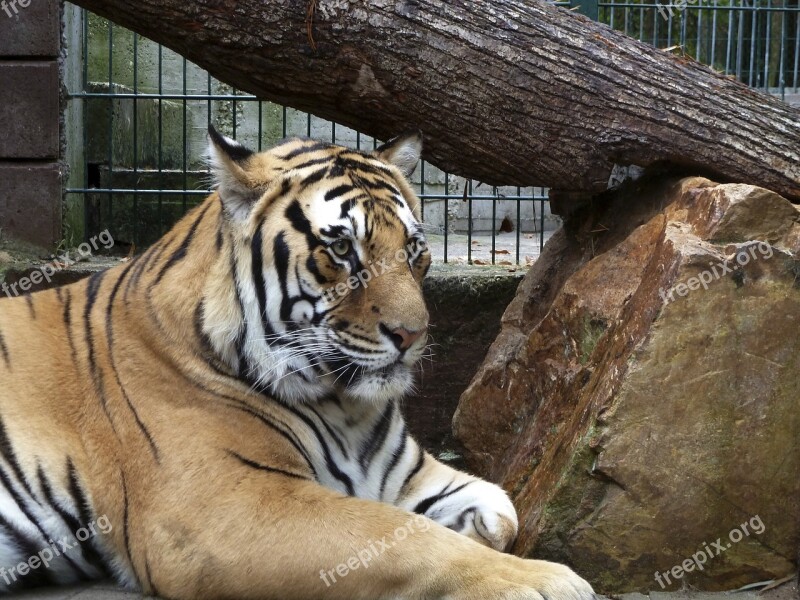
30	202
29	109
29	28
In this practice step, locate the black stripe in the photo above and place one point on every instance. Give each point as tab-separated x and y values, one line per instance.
157	250
369	217
413	472
331	432
153	590
27	547
425	505
92	289
23	507
378	184
149	259
78	497
21	539
235	151
112	363
126	523
356	348
141	262
458	525
396	456
338	191
18	499
85	516
313	268
313	178
306	148
260	467
315	161
207	353
219	240
333	231
70	520
241	334
286	433
298	219
377	437
281	256
72	523
358	167
180	253
7	451
333	468
29	302
346	207
257	267
4	352
67	318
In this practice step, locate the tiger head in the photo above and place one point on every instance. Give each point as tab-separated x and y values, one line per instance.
328	261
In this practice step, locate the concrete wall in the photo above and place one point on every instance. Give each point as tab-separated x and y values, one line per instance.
30	110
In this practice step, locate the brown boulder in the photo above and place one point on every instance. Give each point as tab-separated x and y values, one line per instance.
643	397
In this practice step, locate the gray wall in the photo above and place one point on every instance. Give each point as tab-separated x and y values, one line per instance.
30	112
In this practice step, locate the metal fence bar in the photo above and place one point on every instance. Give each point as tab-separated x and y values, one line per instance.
110	137
160	214
421	184
85	131
185	123
135	204
468	192
447	212
519	224
796	79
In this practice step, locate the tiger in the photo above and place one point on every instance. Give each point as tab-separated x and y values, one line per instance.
220	417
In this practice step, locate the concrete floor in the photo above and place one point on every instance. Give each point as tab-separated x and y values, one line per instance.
106	591
481	244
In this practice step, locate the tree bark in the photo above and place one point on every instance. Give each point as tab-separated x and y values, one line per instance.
507	92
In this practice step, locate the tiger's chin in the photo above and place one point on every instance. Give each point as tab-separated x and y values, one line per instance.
383	385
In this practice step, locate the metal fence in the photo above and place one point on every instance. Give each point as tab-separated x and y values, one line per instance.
755	41
138	114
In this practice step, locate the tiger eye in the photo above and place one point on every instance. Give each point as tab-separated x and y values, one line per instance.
341	247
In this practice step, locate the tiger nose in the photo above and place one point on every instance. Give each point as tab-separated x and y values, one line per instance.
403	338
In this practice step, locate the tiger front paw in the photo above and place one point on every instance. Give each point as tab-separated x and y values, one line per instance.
484	514
512	578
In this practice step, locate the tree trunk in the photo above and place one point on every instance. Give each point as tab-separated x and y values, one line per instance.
507	92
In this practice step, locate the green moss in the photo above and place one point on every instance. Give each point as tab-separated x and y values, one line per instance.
577	496
593	330
792	267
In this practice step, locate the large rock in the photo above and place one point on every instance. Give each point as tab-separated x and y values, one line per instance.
643	397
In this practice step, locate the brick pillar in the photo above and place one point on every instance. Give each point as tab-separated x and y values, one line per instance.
30	112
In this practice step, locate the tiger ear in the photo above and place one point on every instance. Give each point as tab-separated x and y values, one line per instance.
228	161
402	151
